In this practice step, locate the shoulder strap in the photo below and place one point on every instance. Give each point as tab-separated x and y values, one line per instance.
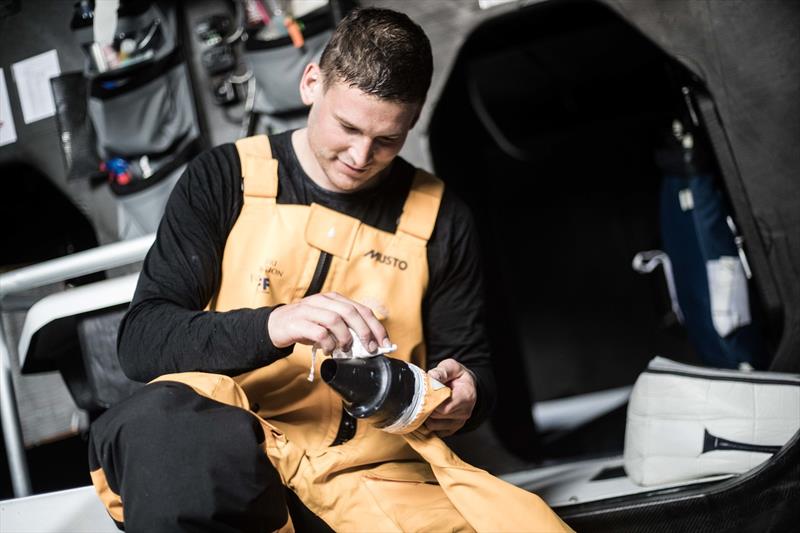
259	169
422	206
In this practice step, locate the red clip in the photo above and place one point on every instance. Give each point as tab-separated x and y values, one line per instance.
123	179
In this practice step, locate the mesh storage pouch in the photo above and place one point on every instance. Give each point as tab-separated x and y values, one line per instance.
277	65
687	422
141	105
154	117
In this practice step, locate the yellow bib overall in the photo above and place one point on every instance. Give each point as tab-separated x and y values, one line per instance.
376	481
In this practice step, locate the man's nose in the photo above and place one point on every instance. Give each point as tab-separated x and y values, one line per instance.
361	151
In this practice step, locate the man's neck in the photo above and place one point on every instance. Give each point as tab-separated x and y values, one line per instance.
305	155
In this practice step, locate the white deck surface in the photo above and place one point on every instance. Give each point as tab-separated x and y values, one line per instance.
576	482
74	511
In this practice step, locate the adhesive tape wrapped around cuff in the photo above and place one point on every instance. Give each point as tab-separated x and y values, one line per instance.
390	394
429	395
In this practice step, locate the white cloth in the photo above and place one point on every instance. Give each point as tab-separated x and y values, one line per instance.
727	287
357	350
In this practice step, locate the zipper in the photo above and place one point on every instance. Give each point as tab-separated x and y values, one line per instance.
347	424
320	273
347	429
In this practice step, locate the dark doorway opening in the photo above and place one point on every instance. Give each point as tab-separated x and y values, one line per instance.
547	127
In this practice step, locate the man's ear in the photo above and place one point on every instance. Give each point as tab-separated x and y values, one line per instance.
311	83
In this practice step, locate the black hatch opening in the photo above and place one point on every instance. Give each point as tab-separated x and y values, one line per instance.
547	127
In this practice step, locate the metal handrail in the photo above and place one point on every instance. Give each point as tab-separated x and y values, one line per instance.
74	265
31	277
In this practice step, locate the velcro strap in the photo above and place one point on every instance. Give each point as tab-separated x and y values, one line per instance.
331	231
259	169
422	206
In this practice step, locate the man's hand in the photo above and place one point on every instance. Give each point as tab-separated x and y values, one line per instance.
323	320
453	413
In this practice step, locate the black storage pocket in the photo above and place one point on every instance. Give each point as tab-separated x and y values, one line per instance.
277	65
140	103
277	71
152	118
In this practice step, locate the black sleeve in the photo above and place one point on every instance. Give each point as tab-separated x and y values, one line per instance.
453	311
166	329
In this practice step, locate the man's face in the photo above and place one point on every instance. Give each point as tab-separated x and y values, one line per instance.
353	135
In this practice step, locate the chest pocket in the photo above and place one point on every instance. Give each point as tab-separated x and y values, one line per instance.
277	254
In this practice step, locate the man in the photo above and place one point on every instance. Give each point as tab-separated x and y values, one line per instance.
272	247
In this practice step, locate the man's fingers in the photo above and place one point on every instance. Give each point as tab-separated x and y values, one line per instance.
372	330
320	336
442	425
446	371
443	428
338	315
454	412
331	321
459	414
452	409
353	319
447	409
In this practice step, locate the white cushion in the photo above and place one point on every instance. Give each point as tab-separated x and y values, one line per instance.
686	422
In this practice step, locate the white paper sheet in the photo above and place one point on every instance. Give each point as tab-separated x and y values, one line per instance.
104	24
8	133
32	76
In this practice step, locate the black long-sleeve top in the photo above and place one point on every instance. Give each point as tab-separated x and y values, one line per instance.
166	329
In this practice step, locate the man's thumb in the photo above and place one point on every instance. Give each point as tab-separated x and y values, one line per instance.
438	374
444	371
